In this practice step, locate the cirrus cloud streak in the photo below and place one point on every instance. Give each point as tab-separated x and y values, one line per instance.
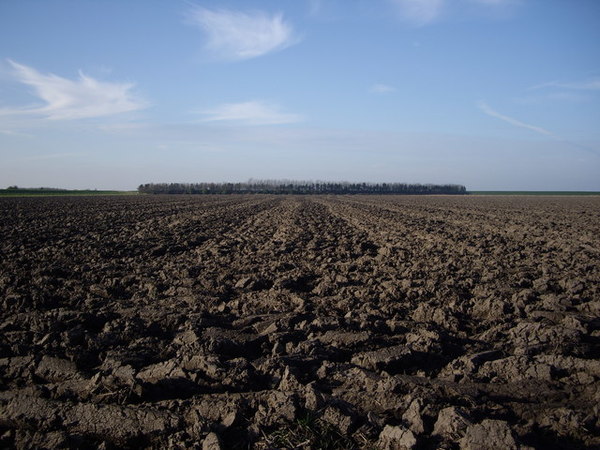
420	12
380	88
424	12
81	98
592	84
250	113
485	108
236	35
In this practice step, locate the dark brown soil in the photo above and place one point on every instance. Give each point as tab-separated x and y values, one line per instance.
313	322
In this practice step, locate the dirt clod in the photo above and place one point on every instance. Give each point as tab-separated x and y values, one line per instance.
259	321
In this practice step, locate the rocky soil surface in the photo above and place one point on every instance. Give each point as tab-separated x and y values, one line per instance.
300	322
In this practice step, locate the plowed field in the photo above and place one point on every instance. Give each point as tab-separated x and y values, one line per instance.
312	322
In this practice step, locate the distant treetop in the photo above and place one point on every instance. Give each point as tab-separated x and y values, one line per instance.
300	187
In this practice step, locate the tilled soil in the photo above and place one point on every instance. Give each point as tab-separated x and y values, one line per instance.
311	322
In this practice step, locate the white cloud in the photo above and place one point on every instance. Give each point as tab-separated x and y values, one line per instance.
382	89
420	12
592	84
9	132
425	12
315	7
492	113
558	96
85	97
493	2
52	156
517	123
250	113
237	35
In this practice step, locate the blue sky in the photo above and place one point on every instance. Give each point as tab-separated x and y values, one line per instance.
492	94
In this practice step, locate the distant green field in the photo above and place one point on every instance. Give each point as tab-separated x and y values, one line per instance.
534	192
44	192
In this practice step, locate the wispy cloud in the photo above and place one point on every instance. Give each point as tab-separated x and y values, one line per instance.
8	132
315	7
492	113
82	98
237	35
556	96
485	108
52	156
592	84
425	12
494	2
420	12
250	113
380	88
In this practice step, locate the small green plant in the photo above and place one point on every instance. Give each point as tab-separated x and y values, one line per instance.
309	431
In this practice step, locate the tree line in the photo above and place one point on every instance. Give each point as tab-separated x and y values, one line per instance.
300	187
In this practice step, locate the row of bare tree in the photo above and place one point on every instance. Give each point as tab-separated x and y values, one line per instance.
299	187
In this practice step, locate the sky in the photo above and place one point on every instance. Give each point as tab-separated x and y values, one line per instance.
491	94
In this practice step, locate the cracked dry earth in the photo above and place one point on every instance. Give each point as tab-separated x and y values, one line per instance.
311	322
